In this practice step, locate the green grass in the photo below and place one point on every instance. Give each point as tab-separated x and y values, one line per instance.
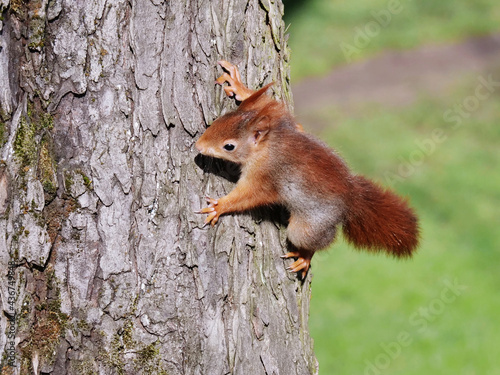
319	29
362	301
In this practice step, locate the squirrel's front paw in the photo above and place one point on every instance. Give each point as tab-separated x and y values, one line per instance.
211	210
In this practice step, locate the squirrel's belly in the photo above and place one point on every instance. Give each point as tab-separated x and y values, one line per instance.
313	224
314	209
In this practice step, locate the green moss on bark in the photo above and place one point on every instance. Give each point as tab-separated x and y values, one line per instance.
3	133
33	147
48	324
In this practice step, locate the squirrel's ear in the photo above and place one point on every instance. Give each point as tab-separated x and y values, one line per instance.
254	98
260	132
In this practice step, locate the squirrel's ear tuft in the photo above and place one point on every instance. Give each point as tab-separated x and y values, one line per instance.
254	98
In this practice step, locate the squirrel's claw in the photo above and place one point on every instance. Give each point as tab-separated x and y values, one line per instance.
211	210
212	218
206	210
236	88
211	201
293	254
301	264
231	68
225	78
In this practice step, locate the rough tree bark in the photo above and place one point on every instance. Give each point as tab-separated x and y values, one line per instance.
106	269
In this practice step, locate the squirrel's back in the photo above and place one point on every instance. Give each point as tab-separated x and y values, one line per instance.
303	159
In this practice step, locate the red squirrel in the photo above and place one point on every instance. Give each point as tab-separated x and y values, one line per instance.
281	164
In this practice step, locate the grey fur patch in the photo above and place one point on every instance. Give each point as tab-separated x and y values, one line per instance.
313	220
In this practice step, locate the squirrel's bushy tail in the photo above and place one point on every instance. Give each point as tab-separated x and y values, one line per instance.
378	219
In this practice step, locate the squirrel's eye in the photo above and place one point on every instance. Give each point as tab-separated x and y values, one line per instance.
229	147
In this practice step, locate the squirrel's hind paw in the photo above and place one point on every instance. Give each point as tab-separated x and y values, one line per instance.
236	88
302	263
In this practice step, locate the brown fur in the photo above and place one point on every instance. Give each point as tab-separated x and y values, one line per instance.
379	219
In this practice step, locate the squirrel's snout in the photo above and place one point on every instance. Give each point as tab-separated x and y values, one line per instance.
199	146
203	148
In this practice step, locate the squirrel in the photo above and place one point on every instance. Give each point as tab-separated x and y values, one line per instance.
281	164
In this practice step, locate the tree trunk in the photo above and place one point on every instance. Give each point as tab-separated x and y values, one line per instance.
106	269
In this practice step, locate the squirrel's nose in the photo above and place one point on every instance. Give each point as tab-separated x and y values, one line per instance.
199	146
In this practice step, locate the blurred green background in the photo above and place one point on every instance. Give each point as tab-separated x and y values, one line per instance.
438	313
319	28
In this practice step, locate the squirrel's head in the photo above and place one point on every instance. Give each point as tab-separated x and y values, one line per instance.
241	134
